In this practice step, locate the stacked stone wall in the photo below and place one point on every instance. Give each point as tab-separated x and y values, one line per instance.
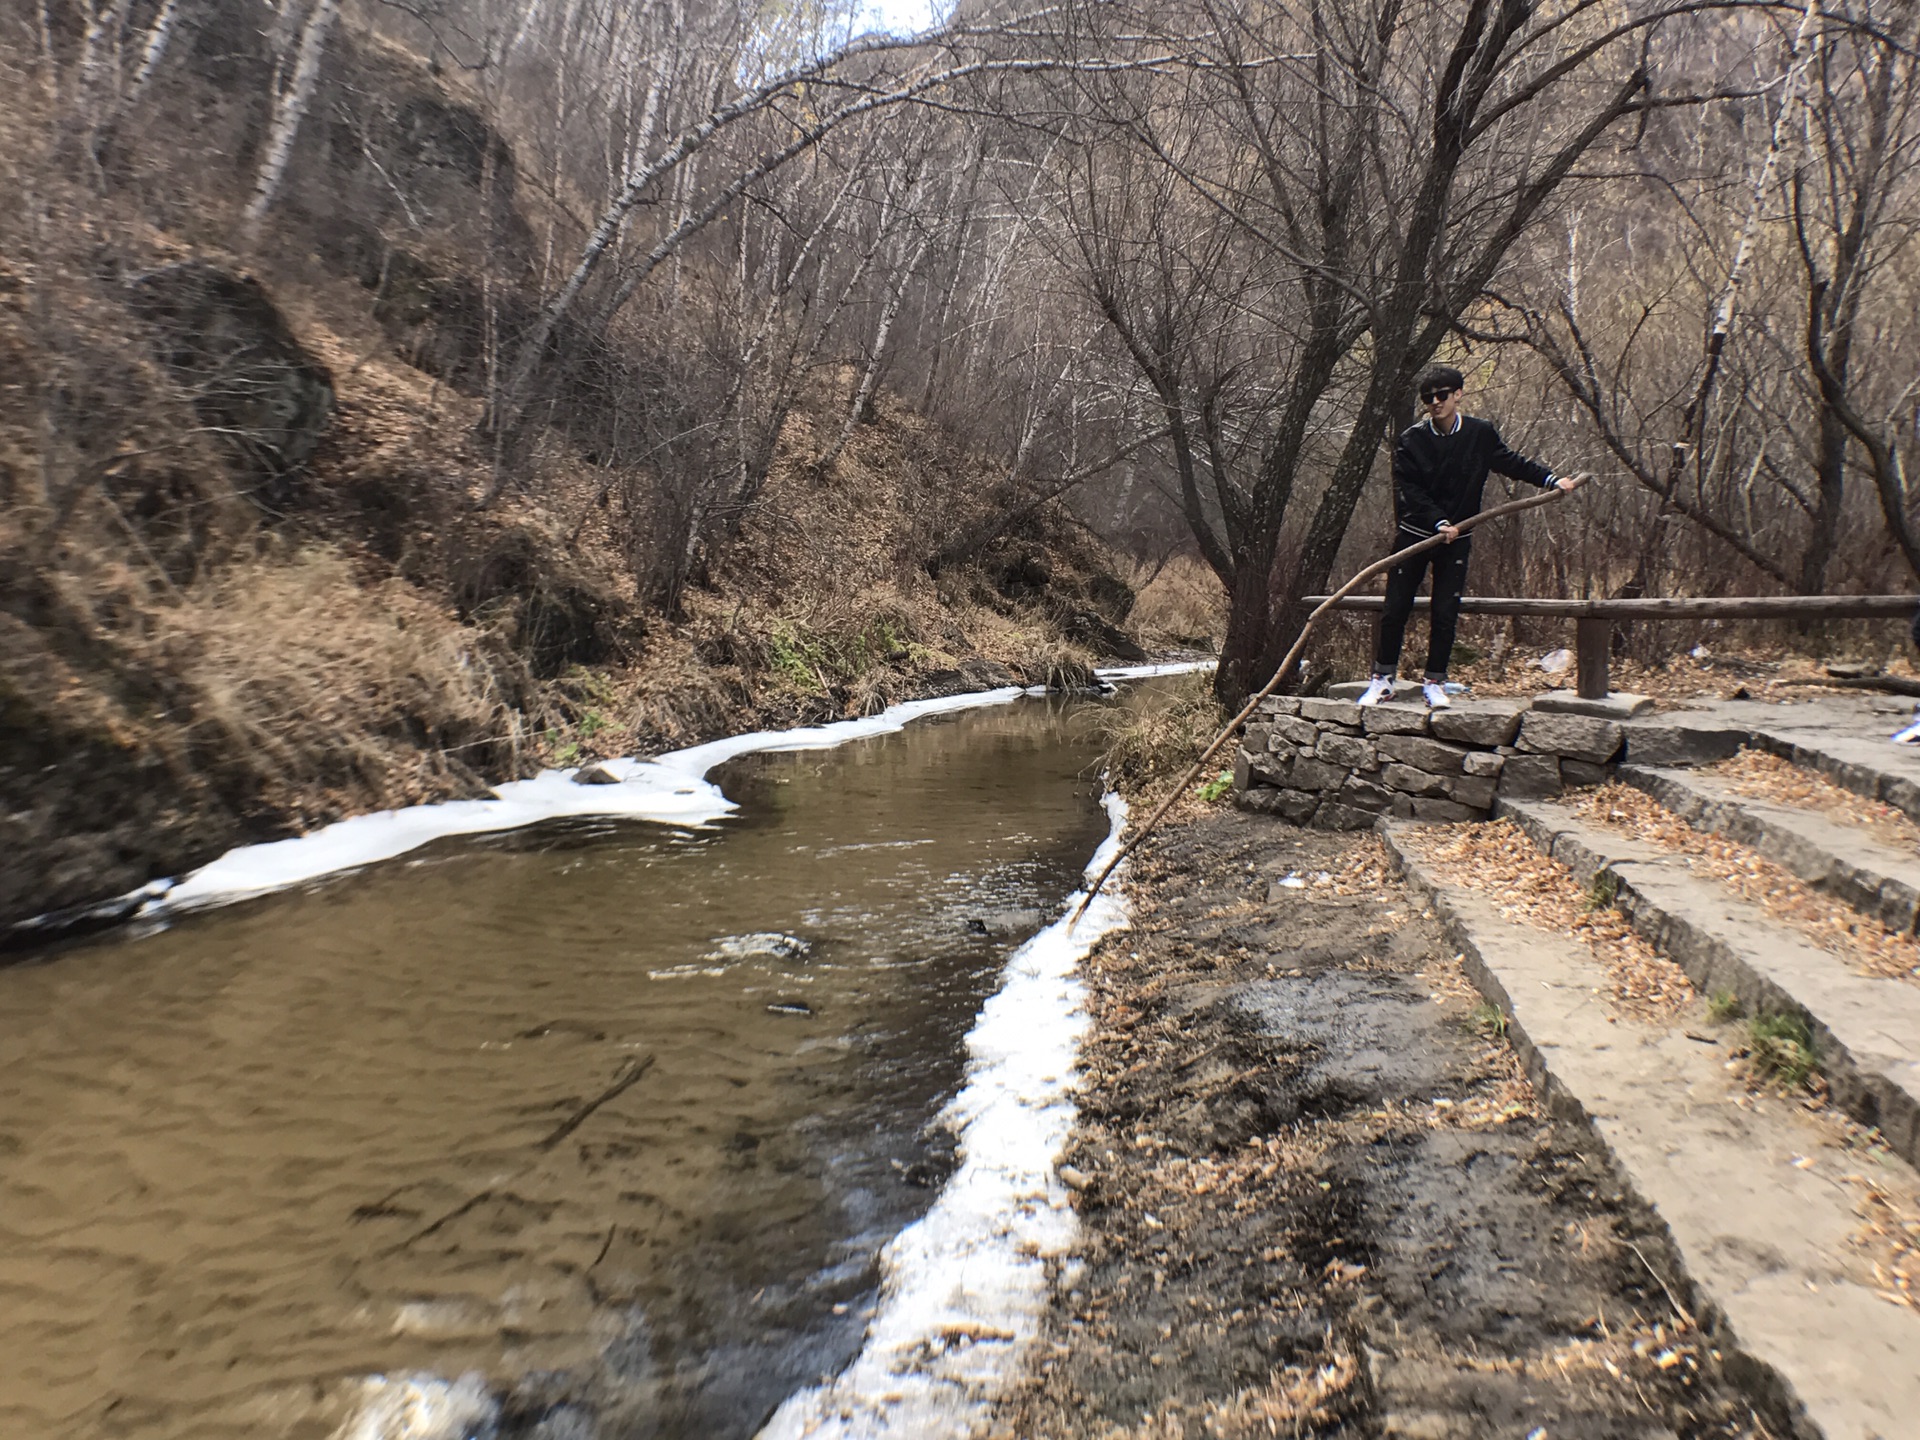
1334	765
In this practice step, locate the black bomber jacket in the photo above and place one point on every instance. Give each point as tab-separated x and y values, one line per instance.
1438	478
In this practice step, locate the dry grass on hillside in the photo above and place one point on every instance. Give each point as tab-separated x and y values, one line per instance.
288	676
1182	604
311	680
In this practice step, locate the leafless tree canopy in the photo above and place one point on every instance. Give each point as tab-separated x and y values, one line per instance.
1173	265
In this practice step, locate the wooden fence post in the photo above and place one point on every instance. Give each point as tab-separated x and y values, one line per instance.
1593	640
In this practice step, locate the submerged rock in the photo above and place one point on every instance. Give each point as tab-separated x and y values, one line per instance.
1005	922
769	943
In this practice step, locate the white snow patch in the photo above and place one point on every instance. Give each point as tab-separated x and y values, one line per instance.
672	789
965	1285
1148	672
420	1407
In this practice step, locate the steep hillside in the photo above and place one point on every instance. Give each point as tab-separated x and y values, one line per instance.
260	567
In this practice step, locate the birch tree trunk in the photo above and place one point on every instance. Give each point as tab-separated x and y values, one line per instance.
863	394
290	108
159	38
1779	141
95	85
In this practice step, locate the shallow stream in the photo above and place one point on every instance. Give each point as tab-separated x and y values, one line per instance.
603	1123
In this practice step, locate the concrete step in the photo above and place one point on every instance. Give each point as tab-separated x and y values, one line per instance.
1843	738
1842	859
1867	1029
1868	765
1753	1193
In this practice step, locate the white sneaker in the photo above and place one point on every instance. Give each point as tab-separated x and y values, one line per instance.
1380	689
1911	733
1437	697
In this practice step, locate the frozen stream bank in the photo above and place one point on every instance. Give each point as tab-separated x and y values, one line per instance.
591	1129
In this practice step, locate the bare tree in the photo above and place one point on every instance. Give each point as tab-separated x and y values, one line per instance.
292	99
1754	434
1332	191
1854	217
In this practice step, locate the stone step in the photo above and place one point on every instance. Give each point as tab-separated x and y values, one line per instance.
1866	764
1867	1030
1752	1193
1844	739
1842	859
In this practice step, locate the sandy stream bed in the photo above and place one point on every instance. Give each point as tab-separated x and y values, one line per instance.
1319	1197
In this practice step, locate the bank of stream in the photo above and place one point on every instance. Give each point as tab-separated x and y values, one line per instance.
590	1129
1318	1195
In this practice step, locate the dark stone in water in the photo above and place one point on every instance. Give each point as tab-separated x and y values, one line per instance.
789	1007
1006	923
596	775
921	1174
576	1028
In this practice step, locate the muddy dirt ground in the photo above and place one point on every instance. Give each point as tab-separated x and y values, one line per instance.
1319	1197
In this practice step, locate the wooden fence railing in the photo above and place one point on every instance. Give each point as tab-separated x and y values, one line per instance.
1594	619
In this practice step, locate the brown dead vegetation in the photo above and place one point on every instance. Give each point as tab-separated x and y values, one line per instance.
1499	860
1769	777
257	566
1870	947
1318	1195
1151	744
381	643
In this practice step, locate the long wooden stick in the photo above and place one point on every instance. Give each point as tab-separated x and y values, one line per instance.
1286	668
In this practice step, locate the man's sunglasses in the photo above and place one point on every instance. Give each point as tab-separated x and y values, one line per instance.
1427	397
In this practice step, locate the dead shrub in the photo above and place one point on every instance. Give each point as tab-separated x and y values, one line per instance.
1157	732
1058	665
1182	603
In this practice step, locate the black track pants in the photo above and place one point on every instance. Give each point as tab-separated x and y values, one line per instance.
1403	583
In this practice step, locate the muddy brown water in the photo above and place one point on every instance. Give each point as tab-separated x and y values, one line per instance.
557	1111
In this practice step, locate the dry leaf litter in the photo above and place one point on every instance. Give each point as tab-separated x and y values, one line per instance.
1863	942
1160	1203
1760	776
1499	861
1889	1236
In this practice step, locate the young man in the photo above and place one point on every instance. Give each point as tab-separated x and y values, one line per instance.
1439	468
